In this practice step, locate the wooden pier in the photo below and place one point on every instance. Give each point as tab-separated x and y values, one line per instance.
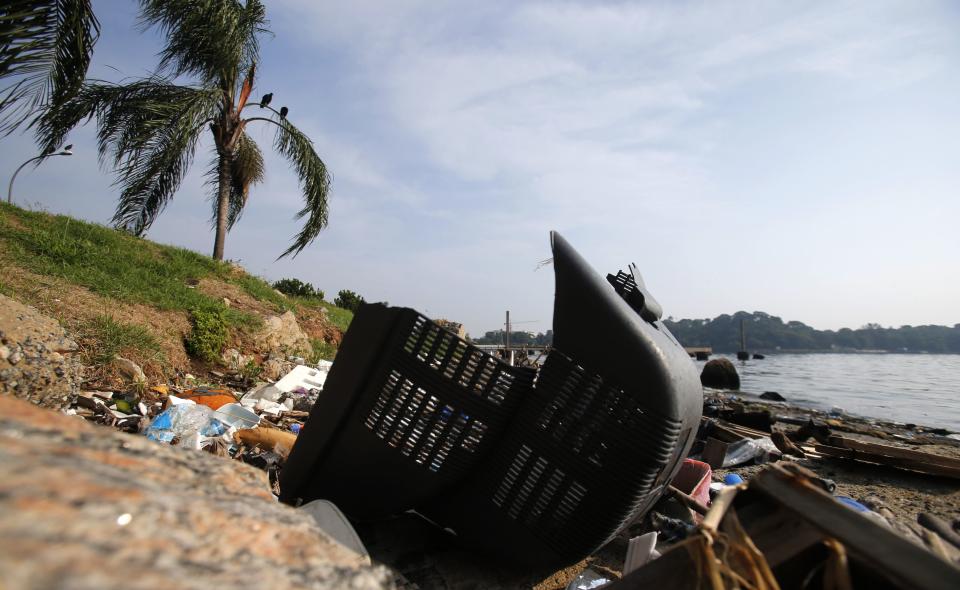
701	353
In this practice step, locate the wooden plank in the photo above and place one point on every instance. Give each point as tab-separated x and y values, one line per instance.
740	431
904	563
714	452
899	462
892	451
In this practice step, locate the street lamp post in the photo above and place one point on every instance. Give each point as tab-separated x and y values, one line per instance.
66	151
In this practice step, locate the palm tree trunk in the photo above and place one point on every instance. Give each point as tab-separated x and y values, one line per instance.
223	205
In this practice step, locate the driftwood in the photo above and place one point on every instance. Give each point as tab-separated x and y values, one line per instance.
902	458
781	530
939	526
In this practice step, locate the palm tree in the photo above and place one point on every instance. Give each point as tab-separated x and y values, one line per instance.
45	49
148	129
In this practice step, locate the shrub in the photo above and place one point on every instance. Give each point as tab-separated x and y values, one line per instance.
209	333
297	288
348	300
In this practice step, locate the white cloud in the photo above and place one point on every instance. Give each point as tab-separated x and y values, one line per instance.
458	133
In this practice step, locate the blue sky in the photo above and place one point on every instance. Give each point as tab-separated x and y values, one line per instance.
801	159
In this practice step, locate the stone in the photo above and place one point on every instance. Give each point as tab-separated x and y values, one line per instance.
772	396
273	369
234	359
720	374
130	370
226	302
282	334
35	359
83	506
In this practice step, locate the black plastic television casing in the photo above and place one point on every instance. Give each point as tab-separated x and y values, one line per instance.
534	468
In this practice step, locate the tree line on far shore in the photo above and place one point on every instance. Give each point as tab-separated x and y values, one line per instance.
768	333
765	333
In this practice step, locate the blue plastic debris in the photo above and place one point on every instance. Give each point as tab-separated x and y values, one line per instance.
183	420
732	479
852	503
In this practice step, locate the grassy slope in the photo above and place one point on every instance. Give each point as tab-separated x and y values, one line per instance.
120	267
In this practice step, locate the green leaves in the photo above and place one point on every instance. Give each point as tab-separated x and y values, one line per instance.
148	130
211	39
45	49
314	180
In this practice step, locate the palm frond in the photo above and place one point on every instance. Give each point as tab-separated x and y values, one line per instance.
45	50
314	181
212	39
246	170
147	131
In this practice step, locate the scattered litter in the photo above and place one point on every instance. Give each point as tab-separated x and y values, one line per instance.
303	377
588	580
212	397
237	416
732	479
186	424
640	550
759	451
271	439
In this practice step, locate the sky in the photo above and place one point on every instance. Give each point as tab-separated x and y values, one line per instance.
797	158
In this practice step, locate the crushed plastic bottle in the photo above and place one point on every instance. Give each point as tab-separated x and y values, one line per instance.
184	422
758	450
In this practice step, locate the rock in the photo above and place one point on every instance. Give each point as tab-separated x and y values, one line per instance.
234	359
130	370
274	368
226	302
35	359
772	396
720	374
282	334
87	507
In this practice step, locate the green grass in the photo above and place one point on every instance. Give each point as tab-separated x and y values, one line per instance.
106	338
321	351
119	266
340	318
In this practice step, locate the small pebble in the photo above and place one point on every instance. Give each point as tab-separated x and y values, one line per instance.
124	519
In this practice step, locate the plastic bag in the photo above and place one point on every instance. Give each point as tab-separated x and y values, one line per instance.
184	422
758	450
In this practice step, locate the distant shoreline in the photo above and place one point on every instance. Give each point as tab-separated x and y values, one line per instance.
838	351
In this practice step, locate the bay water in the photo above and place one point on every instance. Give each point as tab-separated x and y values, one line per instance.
922	389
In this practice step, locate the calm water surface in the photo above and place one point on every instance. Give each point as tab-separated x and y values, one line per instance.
918	388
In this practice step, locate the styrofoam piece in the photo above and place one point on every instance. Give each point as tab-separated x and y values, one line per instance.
302	376
640	550
268	407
